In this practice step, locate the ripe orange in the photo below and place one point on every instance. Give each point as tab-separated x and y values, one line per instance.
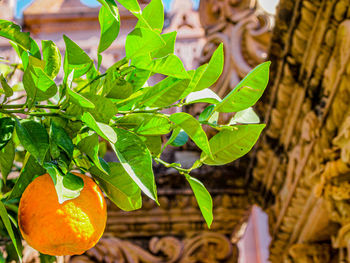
57	229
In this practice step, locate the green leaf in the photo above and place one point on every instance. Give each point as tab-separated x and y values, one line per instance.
193	128
153	143
248	91
52	58
138	78
229	145
38	85
170	65
7	126
142	41
146	123
13	32
205	95
75	59
119	187
206	113
153	15
132	5
5	219
7	89
67	186
116	87
165	92
101	129
34	138
180	139
246	116
7	156
110	25
47	258
203	197
136	160
90	146
80	100
104	108
30	169
60	137
207	74
111	6
169	39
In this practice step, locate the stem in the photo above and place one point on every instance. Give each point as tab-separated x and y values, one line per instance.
92	81
153	110
20	106
18	98
172	165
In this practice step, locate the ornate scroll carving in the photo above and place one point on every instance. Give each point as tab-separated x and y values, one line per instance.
205	247
309	253
245	31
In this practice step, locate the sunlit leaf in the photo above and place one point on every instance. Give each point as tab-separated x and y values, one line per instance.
248	91
229	145
136	160
203	197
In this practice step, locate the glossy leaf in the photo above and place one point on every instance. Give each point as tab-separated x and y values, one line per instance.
52	58
142	41
165	92
170	65
60	137
6	87
6	221
90	146
110	24
229	145
7	156
119	187
116	88
203	197
13	32
136	160
245	116
153	143
34	138
153	15
180	139
111	6
104	130
132	5
75	59
207	74
206	113
193	128
146	123
30	169
80	100
248	91
67	186
169	39
104	108
38	85
205	95
138	78
7	126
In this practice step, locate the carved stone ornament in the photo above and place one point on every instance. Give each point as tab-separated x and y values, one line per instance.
245	31
207	247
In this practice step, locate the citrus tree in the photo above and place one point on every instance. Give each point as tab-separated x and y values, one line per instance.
65	126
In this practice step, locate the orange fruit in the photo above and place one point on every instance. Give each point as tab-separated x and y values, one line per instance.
69	228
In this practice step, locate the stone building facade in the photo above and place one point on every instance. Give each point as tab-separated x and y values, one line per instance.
299	171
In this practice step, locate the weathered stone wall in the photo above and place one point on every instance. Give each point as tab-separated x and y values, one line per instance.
303	159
